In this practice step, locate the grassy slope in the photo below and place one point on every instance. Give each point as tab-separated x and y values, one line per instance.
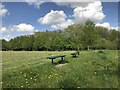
33	70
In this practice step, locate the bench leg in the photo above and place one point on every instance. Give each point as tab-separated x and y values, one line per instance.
62	58
74	55
52	61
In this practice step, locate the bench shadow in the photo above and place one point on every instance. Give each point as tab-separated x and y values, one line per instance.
60	62
74	56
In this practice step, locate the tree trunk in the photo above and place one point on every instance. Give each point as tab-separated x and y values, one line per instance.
78	48
88	48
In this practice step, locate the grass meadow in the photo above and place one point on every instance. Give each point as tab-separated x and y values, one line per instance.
31	69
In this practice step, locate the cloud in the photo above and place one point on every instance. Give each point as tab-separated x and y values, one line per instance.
3	29
106	25
92	12
63	25
53	17
23	27
70	3
116	28
4	34
35	3
16	30
7	37
57	19
3	10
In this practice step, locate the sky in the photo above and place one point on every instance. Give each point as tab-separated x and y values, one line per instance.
24	18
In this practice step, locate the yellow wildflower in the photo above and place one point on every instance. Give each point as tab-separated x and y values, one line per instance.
21	86
20	72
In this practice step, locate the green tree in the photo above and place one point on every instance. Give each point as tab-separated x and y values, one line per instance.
16	43
27	43
89	36
74	37
4	45
73	34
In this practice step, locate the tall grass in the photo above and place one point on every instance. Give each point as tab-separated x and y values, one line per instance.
32	70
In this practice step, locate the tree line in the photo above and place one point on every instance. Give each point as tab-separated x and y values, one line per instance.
74	37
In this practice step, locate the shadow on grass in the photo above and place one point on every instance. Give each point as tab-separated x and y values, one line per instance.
60	62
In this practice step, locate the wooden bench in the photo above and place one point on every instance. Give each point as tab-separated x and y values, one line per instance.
102	52
75	54
58	56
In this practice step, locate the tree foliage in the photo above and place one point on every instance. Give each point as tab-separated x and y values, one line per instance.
74	37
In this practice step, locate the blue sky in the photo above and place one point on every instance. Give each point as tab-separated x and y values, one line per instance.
22	14
111	11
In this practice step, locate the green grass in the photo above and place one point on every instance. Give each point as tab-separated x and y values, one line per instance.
32	70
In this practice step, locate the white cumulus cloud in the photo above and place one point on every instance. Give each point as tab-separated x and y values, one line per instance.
53	17
23	27
107	25
57	19
63	25
73	3
35	3
7	37
3	29
91	12
16	30
3	10
70	3
116	28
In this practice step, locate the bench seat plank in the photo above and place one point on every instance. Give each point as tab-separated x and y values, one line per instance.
54	57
